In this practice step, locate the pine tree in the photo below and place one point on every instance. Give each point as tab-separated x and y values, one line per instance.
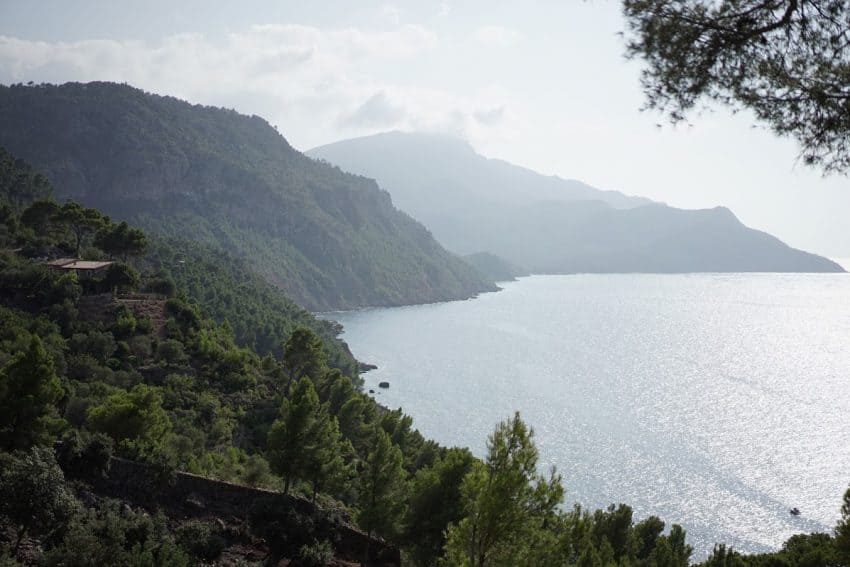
29	387
382	479
304	355
81	221
291	438
507	502
327	454
842	530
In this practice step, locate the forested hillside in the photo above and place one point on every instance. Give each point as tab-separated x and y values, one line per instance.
329	239
90	369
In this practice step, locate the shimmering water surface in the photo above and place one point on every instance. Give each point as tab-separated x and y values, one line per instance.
715	401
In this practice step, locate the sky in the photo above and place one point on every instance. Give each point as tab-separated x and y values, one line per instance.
542	84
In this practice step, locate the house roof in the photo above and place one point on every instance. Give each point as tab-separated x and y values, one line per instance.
75	264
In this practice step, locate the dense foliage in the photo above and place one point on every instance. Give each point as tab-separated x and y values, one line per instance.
786	60
329	239
88	371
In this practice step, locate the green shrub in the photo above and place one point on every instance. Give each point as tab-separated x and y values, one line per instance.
83	455
319	554
171	351
202	539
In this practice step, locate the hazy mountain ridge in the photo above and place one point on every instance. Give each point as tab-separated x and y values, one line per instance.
549	225
450	166
331	240
496	268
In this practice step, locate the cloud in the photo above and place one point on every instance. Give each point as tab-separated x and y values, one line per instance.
316	85
392	13
490	116
376	111
496	36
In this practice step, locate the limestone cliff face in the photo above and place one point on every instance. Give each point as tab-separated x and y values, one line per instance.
331	240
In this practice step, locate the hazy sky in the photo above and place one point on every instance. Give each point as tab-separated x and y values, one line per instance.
539	84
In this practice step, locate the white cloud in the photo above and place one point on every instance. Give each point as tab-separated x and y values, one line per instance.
490	116
377	111
392	13
316	85
496	36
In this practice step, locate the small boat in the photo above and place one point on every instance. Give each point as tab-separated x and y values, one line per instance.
795	511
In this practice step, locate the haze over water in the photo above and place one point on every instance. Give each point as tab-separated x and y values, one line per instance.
717	401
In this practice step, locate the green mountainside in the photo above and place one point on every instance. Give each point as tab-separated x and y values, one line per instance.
550	225
329	239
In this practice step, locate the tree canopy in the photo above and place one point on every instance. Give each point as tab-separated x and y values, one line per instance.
788	61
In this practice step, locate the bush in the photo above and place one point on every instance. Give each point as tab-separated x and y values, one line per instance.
84	455
319	554
171	351
140	346
133	415
120	276
144	326
33	494
101	346
125	324
76	410
86	368
257	471
111	535
162	286
202	539
285	530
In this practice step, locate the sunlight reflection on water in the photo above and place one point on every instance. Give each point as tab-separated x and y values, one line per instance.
717	401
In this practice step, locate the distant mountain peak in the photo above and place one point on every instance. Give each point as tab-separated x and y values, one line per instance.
549	224
330	239
448	164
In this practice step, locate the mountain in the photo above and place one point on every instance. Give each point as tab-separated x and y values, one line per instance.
329	239
551	225
496	268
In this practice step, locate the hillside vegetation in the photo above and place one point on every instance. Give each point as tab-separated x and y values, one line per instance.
329	239
89	369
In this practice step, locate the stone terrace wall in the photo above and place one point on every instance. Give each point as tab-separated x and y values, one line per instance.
193	494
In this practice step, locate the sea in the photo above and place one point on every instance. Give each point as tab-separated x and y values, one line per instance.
715	401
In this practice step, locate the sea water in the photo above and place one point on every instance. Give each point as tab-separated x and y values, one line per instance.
715	401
